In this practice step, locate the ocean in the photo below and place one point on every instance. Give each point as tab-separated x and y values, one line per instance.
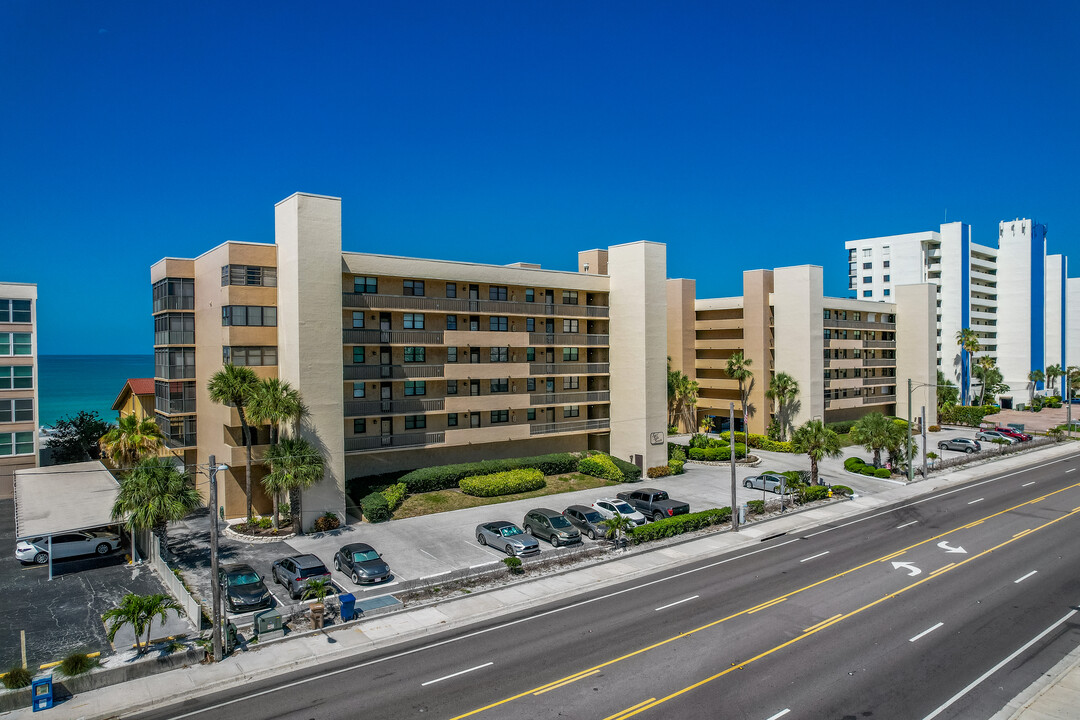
70	383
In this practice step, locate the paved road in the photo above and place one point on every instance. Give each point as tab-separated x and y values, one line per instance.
881	616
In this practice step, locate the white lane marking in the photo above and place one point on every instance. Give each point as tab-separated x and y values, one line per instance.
899	527
678	602
927	631
454	675
428	554
1026	484
1022	579
974	683
1070	470
814	556
975	501
780	714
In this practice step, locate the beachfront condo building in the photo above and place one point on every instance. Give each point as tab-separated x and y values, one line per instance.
405	362
849	357
1014	296
18	382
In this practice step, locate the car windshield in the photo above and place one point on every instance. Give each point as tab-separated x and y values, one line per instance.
594	517
509	531
624	508
365	556
559	521
244	578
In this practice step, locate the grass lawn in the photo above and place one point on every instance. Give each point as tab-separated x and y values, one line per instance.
443	500
846	441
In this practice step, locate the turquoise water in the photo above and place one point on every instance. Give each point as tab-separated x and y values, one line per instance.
70	383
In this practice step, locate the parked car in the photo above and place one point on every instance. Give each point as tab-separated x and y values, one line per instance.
362	563
508	537
244	589
66	546
992	435
1013	433
654	503
295	571
961	444
767	481
551	526
586	519
610	507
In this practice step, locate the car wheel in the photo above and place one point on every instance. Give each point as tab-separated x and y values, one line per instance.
969	450
747	484
592	534
528	530
337	563
41	558
510	550
657	517
355	578
942	446
102	549
554	540
480	539
293	594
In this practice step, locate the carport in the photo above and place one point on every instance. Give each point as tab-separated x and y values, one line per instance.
63	499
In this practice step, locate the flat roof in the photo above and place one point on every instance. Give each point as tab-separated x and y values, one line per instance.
63	498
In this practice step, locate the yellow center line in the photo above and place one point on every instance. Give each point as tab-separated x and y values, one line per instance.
824	622
769	604
622	713
942	569
1025	532
714	623
894	555
565	682
980	522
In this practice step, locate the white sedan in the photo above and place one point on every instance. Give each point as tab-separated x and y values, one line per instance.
610	507
67	545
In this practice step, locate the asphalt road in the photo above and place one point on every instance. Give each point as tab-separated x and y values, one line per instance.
946	607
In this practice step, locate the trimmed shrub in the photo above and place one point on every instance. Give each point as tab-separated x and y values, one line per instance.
678	452
852	464
698	440
503	483
842	490
327	521
856	465
677	466
761	442
882	472
679	524
718	454
600	466
659	471
965	415
934	428
842	427
375	507
815	492
755	507
513	564
631	472
17	677
448	476
395	495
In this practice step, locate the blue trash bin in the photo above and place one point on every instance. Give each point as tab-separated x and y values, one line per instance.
348	606
41	691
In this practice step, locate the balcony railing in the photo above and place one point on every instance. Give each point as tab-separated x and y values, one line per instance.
181	337
355	408
174	372
570	398
174	407
878	399
392	337
859	324
176	442
567	339
572	426
569	368
464	305
879	381
392	372
879	343
878	362
387	442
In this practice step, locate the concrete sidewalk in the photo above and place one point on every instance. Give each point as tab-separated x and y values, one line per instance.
276	657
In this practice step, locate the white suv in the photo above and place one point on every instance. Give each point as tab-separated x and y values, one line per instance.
610	507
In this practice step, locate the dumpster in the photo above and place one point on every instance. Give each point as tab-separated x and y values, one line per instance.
348	606
41	692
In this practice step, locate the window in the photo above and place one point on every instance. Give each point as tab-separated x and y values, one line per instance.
248	275
366	285
358	426
571	411
867	266
174	328
867	293
21	410
500	416
415	422
17	377
828	334
530	324
357	355
497	324
857	352
414	354
530	384
571	383
415	387
249	356
828	373
867	252
15	311
358	319
885	278
857	316
569	354
451	354
886	292
451	322
358	390
500	354
248	315
569	297
14	343
530	295
497	292
569	326
451	387
530	354
414	321
892	318
885	263
451	420
412	287
828	314
451	290
174	294
857	334
20	443
867	279
500	385
530	414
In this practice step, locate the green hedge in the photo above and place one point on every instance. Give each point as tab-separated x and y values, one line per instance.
503	483
395	495
815	492
856	465
631	472
842	427
659	471
761	442
442	477
679	524
600	466
842	490
717	454
677	466
965	415
375	507
756	507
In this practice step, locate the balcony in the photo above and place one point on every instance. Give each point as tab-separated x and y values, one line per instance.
568	339
181	441
569	368
392	337
463	305
572	426
879	344
878	399
859	325
485	370
878	362
174	372
879	381
392	372
392	442
404	406
174	407
570	398
486	338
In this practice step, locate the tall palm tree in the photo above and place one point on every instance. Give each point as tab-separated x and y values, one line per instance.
873	432
985	365
688	398
738	368
275	401
783	390
1053	372
947	392
1072	381
818	442
234	385
130	440
1034	378
139	612
154	494
969	343
294	465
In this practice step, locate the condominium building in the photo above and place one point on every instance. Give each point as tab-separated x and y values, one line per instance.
404	362
18	382
849	357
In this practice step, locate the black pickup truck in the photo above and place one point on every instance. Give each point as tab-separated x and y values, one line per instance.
654	504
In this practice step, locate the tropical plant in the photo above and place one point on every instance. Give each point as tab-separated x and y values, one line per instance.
1053	372
294	466
784	391
235	385
78	663
513	564
154	494
616	527
738	368
1034	378
139	611
130	440
817	442
75	439
947	392
276	402
17	677
682	399
873	431
317	588
900	444
1072	382
968	341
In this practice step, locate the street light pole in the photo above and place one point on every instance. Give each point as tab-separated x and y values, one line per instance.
214	467
731	440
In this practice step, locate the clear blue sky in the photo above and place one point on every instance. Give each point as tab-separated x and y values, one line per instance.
743	135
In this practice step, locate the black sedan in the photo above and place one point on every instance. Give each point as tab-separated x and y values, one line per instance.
362	563
244	589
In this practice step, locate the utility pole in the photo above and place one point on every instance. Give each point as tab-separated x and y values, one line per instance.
923	423
214	559
731	439
907	441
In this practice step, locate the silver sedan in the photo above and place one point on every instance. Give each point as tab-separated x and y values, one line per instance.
766	481
508	537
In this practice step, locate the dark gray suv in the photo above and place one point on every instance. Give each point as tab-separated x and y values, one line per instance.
587	520
552	526
294	572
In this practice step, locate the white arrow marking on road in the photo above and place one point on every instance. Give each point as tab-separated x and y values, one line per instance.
914	570
950	549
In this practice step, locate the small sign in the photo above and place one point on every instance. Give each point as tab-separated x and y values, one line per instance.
657	438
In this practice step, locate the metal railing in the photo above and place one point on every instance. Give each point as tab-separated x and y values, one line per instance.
567	339
569	368
354	408
384	442
878	362
859	324
392	337
391	372
570	398
878	399
571	426
465	305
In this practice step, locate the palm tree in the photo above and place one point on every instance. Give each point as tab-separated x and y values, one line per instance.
617	525
985	366
738	368
818	442
969	343
783	390
139	611
688	397
130	440
1053	372
1072	381
947	392
1034	378
154	494
873	432
234	385
275	401
294	465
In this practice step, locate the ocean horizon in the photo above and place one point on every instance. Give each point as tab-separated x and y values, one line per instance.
70	383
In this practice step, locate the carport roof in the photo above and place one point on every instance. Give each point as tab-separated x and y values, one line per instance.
63	498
